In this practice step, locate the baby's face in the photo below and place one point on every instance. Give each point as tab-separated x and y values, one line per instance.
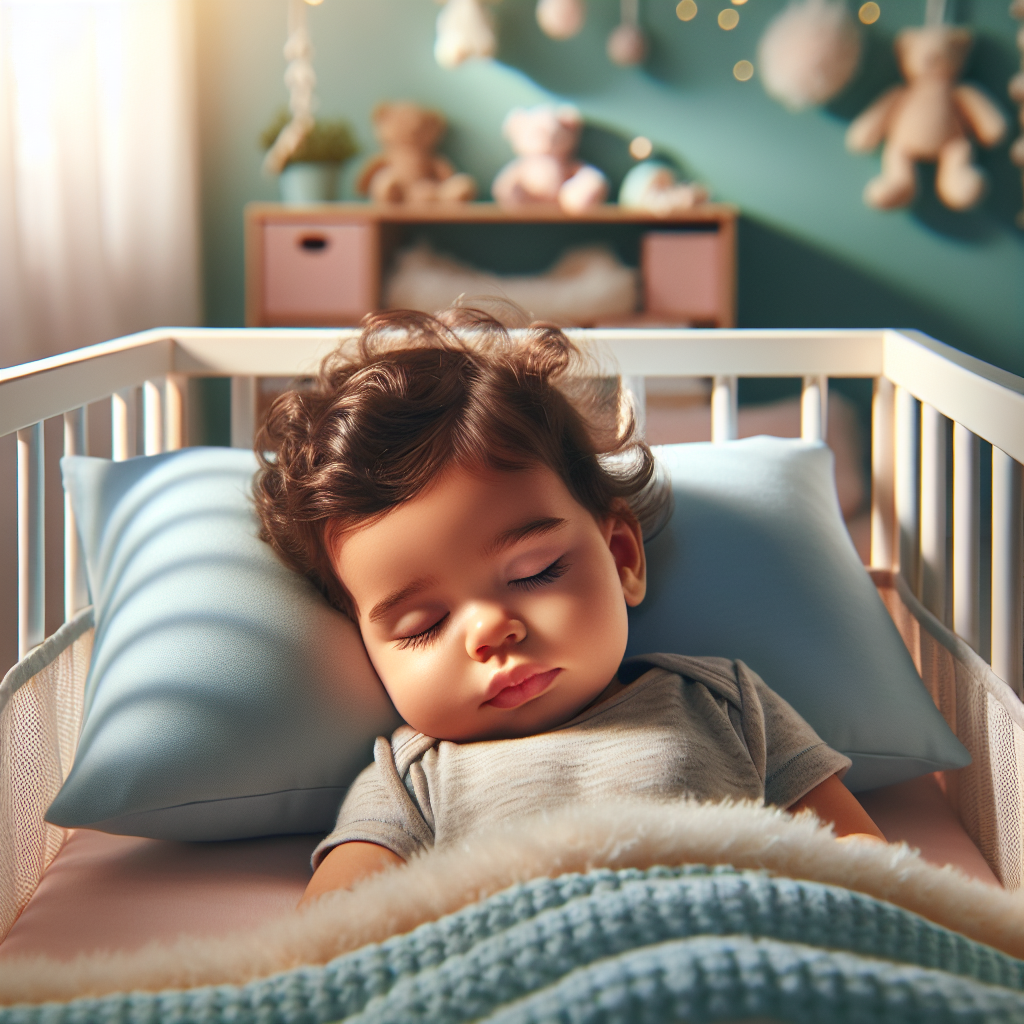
493	604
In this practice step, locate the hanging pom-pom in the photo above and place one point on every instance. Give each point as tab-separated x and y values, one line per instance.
464	30
561	19
809	53
627	45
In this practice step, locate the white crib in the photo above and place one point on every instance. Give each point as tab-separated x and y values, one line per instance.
920	387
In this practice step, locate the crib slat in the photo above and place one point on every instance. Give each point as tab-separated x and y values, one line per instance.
966	535
883	529
31	548
76	590
906	486
1007	570
176	411
724	391
814	408
243	411
122	424
934	567
152	419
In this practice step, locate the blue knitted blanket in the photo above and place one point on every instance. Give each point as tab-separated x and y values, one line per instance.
665	944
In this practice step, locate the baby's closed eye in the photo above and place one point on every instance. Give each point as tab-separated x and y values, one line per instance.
549	574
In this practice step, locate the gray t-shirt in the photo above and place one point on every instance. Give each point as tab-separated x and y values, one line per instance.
706	728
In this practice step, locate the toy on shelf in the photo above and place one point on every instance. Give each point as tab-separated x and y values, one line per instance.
1016	91
464	30
545	170
808	53
652	186
627	44
930	118
408	170
561	19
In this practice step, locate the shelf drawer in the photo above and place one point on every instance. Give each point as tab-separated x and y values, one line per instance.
319	273
687	274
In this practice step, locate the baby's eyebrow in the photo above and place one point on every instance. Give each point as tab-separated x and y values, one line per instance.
381	608
531	529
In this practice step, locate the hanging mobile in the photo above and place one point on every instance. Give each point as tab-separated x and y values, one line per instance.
627	44
931	117
561	19
1016	90
464	30
300	78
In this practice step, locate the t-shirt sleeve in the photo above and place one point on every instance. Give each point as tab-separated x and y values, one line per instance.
379	809
796	758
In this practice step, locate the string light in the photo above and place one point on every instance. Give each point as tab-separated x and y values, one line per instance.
641	148
686	10
738	3
869	13
743	71
728	19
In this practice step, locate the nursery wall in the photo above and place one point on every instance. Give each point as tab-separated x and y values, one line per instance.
810	253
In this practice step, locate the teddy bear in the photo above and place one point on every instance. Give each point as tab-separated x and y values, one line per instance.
928	118
408	170
544	139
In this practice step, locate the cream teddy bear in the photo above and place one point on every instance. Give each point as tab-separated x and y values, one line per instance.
928	119
409	170
544	171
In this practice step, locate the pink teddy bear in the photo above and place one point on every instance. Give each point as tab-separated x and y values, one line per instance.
544	171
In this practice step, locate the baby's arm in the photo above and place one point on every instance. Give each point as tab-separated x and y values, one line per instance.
345	865
835	805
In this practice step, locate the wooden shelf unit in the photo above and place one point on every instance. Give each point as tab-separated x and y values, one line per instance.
323	265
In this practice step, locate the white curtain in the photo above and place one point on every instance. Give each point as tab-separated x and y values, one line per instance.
99	211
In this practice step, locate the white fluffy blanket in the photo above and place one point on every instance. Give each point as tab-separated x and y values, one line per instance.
614	836
584	286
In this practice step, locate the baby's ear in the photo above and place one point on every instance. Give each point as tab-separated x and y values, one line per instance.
626	543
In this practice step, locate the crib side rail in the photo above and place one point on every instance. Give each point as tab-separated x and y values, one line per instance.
934	411
922	387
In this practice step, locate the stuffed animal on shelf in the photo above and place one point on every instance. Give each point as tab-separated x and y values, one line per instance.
652	186
408	170
928	118
544	139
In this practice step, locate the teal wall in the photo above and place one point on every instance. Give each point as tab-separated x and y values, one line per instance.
811	255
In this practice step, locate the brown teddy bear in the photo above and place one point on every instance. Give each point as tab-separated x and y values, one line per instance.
408	170
929	118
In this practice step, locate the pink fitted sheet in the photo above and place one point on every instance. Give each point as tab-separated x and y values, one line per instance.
117	893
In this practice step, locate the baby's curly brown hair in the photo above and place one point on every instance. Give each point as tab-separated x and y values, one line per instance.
416	395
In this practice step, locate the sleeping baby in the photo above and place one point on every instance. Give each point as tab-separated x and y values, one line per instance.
477	504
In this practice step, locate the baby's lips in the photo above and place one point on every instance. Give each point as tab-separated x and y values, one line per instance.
514	694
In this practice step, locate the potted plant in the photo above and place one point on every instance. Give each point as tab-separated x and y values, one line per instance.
310	174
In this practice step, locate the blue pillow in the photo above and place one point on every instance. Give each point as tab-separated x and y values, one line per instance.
756	564
225	698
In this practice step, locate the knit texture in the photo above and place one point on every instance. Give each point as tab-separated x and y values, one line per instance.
663	944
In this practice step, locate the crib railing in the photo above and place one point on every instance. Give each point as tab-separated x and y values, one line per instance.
932	408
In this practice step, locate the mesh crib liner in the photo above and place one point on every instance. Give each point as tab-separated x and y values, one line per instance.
41	707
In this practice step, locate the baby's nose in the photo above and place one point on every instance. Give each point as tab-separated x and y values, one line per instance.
492	627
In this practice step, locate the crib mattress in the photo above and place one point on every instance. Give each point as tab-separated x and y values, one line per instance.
119	893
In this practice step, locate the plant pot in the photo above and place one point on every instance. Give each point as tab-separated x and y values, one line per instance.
303	182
